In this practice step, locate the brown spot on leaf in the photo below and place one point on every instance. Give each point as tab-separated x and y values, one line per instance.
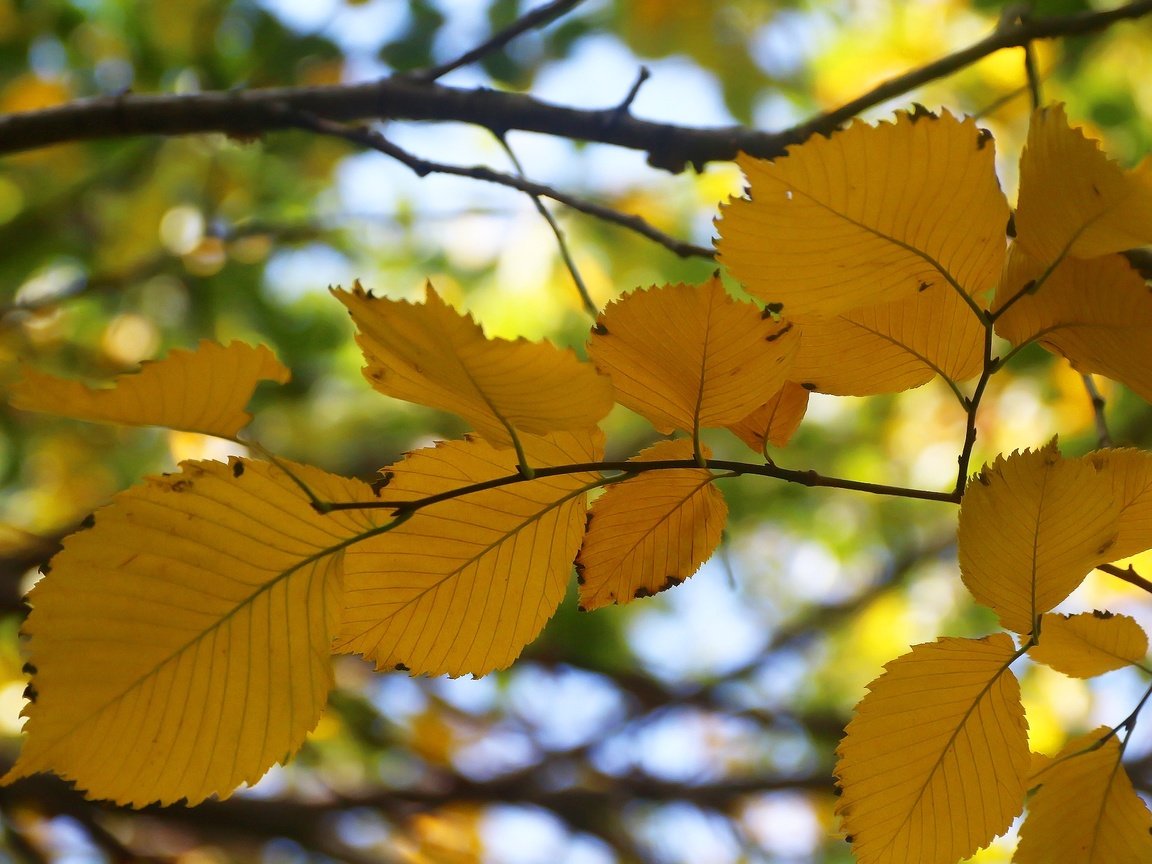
581	608
808	385
919	112
181	486
28	669
982	139
30	693
238	468
785	329
924	286
400	667
1010	229
88	521
1102	614
642	592
599	329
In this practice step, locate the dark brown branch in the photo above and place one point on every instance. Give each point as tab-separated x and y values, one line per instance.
251	113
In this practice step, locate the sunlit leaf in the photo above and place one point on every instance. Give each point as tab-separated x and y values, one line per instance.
776	421
1086	809
1131	472
197	391
1090	643
1075	200
1097	313
651	532
430	354
870	215
686	354
463	585
1032	526
892	347
933	765
181	645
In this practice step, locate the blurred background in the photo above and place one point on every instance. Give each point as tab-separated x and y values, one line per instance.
697	726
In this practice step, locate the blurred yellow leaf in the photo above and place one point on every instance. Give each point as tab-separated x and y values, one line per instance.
870	215
1096	313
1073	199
688	356
180	646
1032	526
776	421
464	584
432	355
892	347
204	390
1086	810
650	532
1090	643
933	765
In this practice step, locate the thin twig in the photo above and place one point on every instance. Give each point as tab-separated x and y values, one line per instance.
1128	574
565	254
972	408
1103	435
422	167
1011	33
734	469
537	18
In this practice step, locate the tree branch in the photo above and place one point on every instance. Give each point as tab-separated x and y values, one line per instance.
252	113
541	16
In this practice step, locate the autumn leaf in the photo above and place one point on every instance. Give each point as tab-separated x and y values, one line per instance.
650	532
689	356
1031	528
870	215
181	645
1073	199
892	347
432	355
933	765
464	584
1131	473
776	421
196	391
1086	809
1096	313
1090	643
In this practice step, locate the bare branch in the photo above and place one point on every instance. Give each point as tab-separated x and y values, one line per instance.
252	113
422	167
538	17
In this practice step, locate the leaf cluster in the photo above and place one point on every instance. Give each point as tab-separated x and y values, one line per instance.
882	257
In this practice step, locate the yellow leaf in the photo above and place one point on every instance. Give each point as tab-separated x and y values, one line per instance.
432	355
892	347
463	585
868	216
181	645
1131	472
934	764
196	391
1096	313
651	532
1073	199
683	355
1031	528
776	421
1086	810
1090	643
